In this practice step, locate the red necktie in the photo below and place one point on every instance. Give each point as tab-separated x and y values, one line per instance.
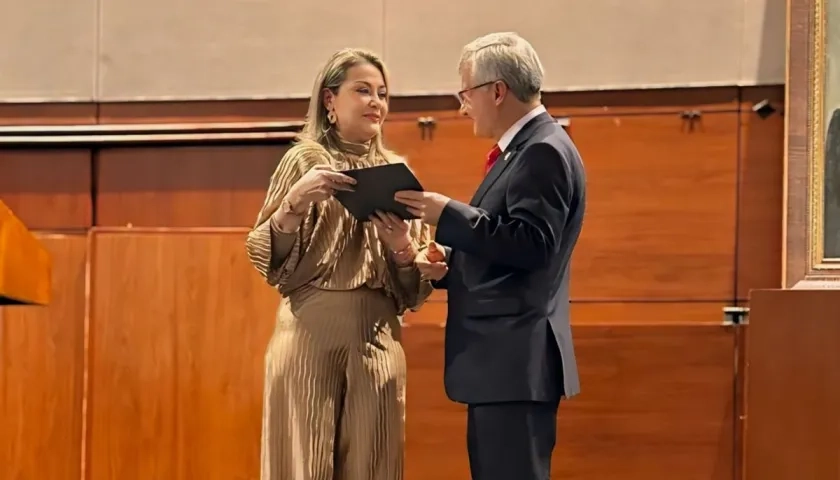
491	158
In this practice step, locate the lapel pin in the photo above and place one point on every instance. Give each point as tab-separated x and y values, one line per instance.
507	155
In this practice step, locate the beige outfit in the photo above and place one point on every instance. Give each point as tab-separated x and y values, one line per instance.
334	400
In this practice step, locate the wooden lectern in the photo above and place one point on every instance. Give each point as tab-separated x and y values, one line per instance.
25	265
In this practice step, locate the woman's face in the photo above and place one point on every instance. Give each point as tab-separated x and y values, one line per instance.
360	106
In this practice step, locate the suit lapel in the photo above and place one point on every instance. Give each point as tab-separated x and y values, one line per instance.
492	176
507	157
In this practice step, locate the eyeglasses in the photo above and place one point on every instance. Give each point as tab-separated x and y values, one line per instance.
460	95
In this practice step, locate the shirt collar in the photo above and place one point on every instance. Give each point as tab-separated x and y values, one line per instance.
511	132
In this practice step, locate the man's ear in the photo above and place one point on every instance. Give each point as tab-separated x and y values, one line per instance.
500	89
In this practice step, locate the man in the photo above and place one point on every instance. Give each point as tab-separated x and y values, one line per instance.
509	353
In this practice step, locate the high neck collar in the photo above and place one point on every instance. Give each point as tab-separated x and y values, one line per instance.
355	148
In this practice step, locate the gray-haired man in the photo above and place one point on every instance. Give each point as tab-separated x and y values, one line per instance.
509	352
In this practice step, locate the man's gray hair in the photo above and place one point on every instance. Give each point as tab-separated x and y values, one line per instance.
507	57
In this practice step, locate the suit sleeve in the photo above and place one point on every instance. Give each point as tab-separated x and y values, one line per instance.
528	233
443	284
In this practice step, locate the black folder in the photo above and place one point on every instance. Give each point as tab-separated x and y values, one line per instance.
375	188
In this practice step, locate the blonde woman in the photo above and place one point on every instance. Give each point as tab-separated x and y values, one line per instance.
335	370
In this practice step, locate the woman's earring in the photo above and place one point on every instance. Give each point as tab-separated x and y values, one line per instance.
331	117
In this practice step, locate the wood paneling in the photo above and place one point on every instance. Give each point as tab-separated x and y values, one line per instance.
47	113
433	312
647	313
202	111
47	189
179	339
656	403
661	199
168	344
42	371
681	221
660	221
447	158
793	387
668	100
760	197
202	186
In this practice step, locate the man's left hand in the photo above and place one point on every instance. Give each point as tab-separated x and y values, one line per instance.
425	205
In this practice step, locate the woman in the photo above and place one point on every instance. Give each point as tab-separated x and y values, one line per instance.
335	370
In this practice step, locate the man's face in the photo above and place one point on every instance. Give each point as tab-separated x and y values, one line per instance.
479	103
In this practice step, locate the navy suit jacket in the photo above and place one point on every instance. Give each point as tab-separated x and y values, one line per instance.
508	336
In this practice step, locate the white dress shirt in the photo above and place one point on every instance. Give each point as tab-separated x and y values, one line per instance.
511	132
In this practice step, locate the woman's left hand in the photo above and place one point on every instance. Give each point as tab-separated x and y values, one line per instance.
392	230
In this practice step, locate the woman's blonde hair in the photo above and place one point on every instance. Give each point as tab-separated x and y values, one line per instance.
317	127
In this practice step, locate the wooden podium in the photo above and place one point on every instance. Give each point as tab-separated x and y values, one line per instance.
25	265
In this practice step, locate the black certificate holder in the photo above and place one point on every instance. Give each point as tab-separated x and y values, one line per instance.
375	188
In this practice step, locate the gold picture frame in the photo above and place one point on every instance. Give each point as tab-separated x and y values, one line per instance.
806	264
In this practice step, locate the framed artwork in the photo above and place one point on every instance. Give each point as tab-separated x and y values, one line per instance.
812	229
829	148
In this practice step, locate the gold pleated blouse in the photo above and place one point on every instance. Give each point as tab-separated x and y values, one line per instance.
331	250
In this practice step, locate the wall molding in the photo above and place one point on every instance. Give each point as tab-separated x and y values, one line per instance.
147	134
37	125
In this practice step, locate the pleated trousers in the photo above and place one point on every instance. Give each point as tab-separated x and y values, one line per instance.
334	399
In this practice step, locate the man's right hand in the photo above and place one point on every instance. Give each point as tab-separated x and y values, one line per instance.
432	262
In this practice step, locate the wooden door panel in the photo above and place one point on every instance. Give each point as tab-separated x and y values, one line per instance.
177	369
656	403
47	189
42	372
207	186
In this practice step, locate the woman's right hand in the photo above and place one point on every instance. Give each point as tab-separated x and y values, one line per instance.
319	183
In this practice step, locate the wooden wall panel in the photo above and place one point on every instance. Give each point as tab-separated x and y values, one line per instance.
793	388
656	403
433	312
202	186
47	189
436	428
177	367
41	374
660	221
47	114
681	222
445	156
760	196
661	199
